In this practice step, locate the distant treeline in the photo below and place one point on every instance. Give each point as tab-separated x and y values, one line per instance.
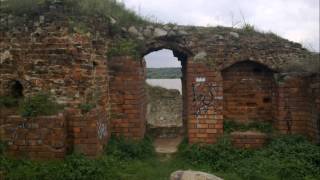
164	73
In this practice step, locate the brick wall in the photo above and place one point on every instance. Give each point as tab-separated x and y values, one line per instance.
248	139
313	126
203	100
248	89
128	97
42	137
71	66
294	105
88	132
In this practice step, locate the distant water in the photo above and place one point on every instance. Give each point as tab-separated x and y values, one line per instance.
166	83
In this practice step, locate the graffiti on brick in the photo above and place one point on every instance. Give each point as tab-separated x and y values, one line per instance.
288	116
102	129
204	97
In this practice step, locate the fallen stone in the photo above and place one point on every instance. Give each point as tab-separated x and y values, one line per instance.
193	175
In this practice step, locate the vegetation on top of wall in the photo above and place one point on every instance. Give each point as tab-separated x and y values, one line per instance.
39	104
231	126
105	8
124	47
248	28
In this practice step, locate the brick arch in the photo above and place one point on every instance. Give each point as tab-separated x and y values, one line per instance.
248	89
233	62
178	50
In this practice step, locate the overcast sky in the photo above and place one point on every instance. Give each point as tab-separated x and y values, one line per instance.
296	20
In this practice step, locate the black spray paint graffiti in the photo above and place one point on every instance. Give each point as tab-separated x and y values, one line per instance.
27	125
204	97
288	117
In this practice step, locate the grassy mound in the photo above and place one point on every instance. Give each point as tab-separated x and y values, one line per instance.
109	9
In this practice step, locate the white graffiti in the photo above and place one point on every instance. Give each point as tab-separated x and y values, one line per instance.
102	129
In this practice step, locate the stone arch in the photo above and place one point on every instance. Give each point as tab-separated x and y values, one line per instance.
248	89
179	51
182	54
259	62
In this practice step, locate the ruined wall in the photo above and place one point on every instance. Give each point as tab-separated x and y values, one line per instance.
128	97
42	137
248	91
164	112
44	56
45	53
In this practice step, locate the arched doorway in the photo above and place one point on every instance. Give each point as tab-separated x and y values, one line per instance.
164	88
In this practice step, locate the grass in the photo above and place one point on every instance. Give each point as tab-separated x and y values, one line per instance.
230	126
286	157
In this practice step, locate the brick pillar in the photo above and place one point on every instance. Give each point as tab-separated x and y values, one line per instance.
128	97
204	102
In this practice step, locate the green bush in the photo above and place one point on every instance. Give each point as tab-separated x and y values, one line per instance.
248	28
8	101
86	107
3	146
230	126
286	157
130	149
218	156
39	104
124	48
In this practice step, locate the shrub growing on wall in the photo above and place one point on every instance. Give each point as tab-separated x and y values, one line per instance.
39	104
8	101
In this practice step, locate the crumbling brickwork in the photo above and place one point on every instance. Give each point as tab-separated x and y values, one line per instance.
71	67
